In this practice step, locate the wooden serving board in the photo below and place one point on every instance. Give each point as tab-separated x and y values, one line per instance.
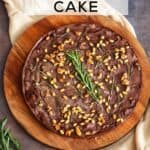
19	109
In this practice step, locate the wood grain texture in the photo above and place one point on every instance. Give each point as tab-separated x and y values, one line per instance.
13	90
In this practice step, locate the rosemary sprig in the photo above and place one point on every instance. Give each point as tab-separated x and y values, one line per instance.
7	141
82	74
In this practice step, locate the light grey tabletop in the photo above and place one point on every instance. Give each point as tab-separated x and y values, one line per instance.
139	16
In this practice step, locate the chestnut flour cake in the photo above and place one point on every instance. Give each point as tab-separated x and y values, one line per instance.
81	79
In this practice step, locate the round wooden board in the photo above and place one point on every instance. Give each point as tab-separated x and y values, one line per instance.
19	109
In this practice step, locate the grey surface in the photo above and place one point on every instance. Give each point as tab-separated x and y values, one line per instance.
139	11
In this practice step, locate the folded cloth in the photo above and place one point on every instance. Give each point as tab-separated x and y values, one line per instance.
138	138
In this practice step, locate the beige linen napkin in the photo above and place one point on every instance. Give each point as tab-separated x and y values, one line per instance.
139	138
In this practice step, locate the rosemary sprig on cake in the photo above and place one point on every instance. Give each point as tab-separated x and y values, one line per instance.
82	74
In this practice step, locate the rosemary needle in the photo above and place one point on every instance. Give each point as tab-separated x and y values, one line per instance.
82	74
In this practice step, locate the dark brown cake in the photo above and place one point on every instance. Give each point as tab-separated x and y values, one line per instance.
85	96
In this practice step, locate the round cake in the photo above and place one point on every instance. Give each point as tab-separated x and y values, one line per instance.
81	79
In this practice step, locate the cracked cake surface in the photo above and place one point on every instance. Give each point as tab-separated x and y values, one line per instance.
81	79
